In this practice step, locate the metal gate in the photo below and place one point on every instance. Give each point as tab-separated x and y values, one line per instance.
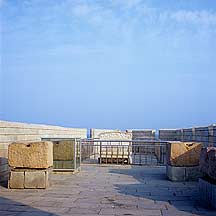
134	152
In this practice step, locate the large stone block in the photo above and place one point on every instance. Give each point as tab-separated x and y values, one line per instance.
30	154
16	180
183	153
183	173
208	162
29	178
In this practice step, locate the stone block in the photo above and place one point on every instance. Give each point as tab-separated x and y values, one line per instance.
63	150
207	191
175	173
183	154
30	154
35	179
16	180
183	173
208	162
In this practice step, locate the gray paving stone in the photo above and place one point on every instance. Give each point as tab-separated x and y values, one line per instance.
107	190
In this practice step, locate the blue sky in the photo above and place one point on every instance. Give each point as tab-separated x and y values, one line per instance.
108	64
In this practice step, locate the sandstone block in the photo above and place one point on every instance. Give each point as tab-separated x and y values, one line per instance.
208	162
16	180
183	153
30	154
35	179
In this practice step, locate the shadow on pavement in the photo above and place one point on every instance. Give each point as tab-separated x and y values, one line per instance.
9	207
179	198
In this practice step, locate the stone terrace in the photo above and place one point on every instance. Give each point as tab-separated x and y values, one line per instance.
107	190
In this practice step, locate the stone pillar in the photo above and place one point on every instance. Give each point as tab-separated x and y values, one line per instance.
30	164
183	161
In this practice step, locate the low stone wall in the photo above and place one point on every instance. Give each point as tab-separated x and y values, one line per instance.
95	133
187	135
201	134
205	135
13	131
168	134
212	135
148	134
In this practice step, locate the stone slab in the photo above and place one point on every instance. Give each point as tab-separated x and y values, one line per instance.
30	154
183	173
183	154
208	162
35	179
207	191
16	180
29	179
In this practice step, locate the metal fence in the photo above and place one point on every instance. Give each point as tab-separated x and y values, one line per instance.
66	154
134	152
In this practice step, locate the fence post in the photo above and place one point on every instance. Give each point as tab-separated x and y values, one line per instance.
100	152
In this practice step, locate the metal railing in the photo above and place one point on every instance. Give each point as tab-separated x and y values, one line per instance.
134	152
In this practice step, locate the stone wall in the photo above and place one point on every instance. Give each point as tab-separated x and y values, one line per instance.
212	135
201	134
143	134
115	135
205	135
168	134
187	134
95	133
13	131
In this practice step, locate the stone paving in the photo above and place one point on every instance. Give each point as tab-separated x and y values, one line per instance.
107	190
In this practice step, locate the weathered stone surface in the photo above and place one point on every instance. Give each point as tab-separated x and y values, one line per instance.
183	153
35	179
208	162
63	150
183	173
16	180
30	154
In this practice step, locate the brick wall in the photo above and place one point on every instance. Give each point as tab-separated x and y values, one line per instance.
13	131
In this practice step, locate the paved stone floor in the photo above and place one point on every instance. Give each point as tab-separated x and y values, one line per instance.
107	190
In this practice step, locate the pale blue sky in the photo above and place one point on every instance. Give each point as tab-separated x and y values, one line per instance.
109	64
